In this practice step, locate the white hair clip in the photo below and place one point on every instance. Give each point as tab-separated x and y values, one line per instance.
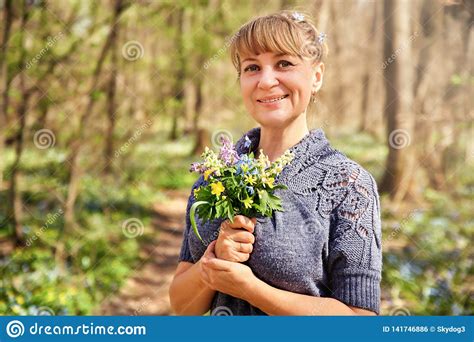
298	16
322	36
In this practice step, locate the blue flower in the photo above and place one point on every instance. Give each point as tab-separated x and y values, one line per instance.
243	160
250	190
322	36
247	142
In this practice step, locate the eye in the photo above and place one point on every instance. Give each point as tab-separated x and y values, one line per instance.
250	68
285	64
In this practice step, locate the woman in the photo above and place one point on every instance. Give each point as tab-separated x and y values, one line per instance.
322	254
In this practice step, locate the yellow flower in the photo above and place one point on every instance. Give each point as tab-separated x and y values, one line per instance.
248	202
245	167
217	188
250	179
207	173
196	191
269	181
20	300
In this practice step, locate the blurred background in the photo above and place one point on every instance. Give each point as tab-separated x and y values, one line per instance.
104	105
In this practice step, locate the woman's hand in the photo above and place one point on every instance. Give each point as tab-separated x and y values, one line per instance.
235	240
228	277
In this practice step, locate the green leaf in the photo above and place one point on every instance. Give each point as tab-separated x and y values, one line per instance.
192	217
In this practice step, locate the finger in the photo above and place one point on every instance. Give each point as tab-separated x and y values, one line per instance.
242	236
240	257
219	264
245	248
210	250
244	222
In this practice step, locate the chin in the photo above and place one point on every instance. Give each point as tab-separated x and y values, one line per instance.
274	123
273	120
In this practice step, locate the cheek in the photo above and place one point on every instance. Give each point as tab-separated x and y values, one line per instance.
246	91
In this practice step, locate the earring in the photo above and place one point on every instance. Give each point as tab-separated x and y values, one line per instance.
313	97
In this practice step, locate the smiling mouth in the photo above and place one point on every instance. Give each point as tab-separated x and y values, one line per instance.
276	99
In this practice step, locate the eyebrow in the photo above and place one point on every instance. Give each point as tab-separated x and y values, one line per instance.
253	59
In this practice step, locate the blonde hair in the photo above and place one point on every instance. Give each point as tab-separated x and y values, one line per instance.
285	32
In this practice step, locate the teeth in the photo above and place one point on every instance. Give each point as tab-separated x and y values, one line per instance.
273	100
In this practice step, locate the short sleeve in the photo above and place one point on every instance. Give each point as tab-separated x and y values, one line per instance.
185	253
355	251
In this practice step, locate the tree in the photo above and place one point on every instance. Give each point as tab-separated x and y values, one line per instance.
398	75
178	86
4	78
78	139
111	102
15	207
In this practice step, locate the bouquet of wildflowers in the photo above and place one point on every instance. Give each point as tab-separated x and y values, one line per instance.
236	185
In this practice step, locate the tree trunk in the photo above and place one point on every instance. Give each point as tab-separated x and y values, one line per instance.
364	120
111	103
198	102
203	139
429	84
398	98
15	207
178	91
4	82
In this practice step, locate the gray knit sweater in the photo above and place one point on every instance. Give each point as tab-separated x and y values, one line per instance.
326	242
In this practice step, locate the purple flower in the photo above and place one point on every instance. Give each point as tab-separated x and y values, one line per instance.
197	167
227	153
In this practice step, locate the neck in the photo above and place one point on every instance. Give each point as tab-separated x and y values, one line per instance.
276	140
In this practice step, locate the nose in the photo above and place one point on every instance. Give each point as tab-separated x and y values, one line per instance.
267	79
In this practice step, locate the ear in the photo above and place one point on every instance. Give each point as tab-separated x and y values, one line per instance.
318	72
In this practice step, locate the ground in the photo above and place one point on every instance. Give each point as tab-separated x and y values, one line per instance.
146	291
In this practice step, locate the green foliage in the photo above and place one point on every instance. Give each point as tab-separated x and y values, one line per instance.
99	256
430	272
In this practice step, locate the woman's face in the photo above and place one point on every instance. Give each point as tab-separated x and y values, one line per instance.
276	88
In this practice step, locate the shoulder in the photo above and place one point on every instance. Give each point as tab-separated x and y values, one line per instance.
332	180
343	172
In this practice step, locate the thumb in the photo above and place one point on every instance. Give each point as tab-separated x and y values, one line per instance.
210	249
